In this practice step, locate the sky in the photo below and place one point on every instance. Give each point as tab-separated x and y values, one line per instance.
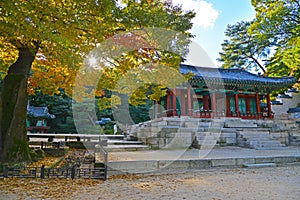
212	18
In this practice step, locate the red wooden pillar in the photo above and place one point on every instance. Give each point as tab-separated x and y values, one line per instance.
257	105
269	105
183	101
236	100
189	102
213	103
205	102
154	110
174	102
159	107
168	101
228	114
247	105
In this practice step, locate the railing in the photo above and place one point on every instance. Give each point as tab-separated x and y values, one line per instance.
99	148
208	113
47	172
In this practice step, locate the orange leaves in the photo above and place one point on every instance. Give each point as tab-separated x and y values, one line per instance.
133	41
50	75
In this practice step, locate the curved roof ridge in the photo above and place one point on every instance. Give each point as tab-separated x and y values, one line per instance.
237	77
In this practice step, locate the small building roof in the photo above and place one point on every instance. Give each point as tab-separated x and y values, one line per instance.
238	79
39	112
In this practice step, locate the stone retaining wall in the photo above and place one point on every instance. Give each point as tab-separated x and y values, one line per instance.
177	133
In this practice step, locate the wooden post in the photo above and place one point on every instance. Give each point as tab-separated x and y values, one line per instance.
236	100
247	105
174	103
168	101
269	105
159	107
43	172
214	103
257	105
205	102
154	110
5	170
189	101
73	172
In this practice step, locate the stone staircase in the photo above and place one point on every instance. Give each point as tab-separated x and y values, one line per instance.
208	133
294	138
185	132
258	138
123	143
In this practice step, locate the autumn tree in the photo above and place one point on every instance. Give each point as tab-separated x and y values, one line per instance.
43	44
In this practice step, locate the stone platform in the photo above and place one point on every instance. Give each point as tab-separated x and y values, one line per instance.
160	160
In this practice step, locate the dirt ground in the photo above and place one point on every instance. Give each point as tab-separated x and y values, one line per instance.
242	183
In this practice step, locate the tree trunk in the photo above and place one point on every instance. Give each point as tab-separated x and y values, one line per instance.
13	109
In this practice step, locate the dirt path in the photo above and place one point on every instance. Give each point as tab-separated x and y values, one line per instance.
264	183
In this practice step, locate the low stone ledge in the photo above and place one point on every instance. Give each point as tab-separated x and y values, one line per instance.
200	164
176	164
223	162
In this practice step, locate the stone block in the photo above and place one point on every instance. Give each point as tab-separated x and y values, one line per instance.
264	159
228	134
159	124
133	166
230	140
295	133
179	142
200	164
223	162
285	159
204	124
176	164
241	161
189	124
240	125
151	141
260	165
228	130
207	142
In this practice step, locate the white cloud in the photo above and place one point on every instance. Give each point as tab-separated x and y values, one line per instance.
206	15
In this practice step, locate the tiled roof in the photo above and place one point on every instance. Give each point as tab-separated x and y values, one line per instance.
237	78
39	112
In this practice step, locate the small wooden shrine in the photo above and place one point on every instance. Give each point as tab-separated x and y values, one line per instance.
37	119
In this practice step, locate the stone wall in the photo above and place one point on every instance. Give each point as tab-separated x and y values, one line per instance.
184	132
286	104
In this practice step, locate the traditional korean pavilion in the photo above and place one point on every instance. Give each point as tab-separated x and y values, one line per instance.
216	92
36	118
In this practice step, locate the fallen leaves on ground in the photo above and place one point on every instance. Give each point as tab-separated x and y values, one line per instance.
48	161
45	188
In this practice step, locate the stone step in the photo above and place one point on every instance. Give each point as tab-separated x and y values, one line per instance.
295	134
264	143
123	142
208	143
259	165
116	148
269	148
204	124
207	136
187	130
228	130
254	134
239	125
258	129
293	143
